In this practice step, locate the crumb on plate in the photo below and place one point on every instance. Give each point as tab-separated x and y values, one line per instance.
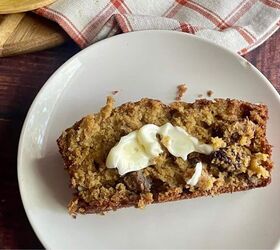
181	90
209	93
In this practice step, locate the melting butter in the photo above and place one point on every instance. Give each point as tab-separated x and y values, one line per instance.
128	155
137	150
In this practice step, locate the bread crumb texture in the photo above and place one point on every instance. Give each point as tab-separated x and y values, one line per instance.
237	131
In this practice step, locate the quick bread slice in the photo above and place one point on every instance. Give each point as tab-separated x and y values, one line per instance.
236	130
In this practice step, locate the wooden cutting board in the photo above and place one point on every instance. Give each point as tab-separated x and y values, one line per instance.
16	6
27	32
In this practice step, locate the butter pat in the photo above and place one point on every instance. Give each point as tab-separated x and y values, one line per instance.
197	173
138	149
128	155
180	143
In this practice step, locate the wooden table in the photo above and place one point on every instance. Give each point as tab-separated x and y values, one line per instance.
21	78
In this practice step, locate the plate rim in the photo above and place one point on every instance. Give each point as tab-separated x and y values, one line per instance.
92	47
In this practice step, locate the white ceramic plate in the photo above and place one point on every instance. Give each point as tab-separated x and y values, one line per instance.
144	64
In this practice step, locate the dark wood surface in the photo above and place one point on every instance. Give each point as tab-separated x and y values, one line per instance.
21	78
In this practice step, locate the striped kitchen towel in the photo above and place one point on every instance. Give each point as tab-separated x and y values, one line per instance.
240	25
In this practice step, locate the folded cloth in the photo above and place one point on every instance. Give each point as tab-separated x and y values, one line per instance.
239	25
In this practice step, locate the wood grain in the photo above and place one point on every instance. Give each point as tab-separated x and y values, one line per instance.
16	6
267	59
27	32
21	78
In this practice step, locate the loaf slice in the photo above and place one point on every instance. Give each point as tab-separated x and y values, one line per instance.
241	159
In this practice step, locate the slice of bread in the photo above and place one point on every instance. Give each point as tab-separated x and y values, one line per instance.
241	159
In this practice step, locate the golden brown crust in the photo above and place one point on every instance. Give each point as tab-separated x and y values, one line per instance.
236	130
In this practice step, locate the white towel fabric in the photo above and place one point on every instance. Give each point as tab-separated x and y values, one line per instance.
240	25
